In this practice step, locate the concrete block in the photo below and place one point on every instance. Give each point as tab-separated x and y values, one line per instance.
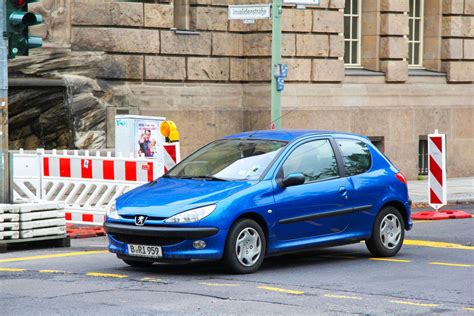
336	45
312	45
159	15
175	44
454	6
328	21
116	40
215	69
460	71
121	67
393	47
295	20
227	44
395	5
288	45
458	26
468	48
106	13
209	18
395	70
165	68
298	69
327	70
257	44
394	24
452	48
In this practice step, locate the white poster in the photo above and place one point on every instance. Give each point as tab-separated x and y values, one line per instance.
148	132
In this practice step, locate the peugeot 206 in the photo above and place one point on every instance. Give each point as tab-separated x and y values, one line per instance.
257	194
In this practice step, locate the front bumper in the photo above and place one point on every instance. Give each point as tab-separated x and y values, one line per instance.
176	242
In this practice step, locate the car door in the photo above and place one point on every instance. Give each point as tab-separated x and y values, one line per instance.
364	178
318	207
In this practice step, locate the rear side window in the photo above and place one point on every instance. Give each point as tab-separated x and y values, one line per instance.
356	156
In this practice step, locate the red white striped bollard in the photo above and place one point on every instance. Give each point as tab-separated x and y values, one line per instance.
437	170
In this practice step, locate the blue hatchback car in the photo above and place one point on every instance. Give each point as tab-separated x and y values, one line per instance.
257	194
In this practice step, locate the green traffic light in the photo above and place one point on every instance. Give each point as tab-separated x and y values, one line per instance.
18	22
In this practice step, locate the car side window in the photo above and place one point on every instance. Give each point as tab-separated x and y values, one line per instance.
356	156
314	159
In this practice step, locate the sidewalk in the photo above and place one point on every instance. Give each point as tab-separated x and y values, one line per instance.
459	190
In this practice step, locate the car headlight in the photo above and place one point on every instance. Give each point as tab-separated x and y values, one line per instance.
112	212
192	215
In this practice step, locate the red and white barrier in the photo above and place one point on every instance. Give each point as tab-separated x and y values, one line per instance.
86	184
437	170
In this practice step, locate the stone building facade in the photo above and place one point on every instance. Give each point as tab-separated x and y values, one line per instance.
394	70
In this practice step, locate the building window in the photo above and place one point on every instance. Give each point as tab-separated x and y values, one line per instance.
352	27
423	156
415	39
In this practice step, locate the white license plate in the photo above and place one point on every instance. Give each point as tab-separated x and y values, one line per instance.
145	251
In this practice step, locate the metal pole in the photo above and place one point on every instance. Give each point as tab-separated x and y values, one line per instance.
277	8
4	175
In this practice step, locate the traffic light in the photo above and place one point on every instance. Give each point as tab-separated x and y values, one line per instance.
18	21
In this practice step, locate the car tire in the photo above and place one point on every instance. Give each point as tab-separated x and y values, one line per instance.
245	247
388	233
135	263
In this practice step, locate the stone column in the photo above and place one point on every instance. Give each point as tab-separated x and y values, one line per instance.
394	40
458	40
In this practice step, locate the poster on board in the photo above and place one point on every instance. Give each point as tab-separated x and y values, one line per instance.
147	132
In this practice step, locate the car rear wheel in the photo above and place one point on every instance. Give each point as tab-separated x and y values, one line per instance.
388	233
135	263
245	247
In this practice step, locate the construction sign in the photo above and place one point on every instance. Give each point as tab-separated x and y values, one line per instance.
437	170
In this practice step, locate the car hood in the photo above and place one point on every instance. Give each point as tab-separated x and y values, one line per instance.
166	197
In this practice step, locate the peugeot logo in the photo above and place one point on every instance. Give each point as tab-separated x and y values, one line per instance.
140	220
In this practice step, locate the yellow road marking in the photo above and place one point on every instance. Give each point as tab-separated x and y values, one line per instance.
12	269
220	284
415	303
150	280
469	308
463	265
436	244
51	271
57	255
390	260
277	289
107	275
343	297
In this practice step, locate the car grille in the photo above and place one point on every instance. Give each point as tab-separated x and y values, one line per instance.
147	240
151	218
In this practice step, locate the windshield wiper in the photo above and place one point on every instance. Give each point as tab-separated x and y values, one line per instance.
210	178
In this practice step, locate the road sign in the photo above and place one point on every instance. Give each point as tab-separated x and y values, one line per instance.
437	170
249	12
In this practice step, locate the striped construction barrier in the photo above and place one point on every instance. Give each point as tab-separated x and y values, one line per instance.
437	170
86	184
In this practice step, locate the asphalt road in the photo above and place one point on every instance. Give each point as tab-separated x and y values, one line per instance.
434	273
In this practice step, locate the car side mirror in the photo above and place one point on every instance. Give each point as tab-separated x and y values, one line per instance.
293	179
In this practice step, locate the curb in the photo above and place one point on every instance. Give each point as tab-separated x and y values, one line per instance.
425	204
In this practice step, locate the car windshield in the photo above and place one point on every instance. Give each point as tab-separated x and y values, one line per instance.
229	159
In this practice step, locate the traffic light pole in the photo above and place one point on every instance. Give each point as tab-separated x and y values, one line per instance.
4	170
277	8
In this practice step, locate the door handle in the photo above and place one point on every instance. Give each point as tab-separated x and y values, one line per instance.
343	192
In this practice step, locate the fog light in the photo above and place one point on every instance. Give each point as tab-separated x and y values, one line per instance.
199	244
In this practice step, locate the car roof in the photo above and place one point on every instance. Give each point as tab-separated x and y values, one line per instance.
284	134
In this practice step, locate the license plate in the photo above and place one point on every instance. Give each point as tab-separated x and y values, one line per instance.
145	251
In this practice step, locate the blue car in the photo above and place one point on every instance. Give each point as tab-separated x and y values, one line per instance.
263	193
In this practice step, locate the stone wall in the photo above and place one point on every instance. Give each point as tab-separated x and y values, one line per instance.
215	81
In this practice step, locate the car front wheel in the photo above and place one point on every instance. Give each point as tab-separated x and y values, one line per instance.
388	233
245	247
